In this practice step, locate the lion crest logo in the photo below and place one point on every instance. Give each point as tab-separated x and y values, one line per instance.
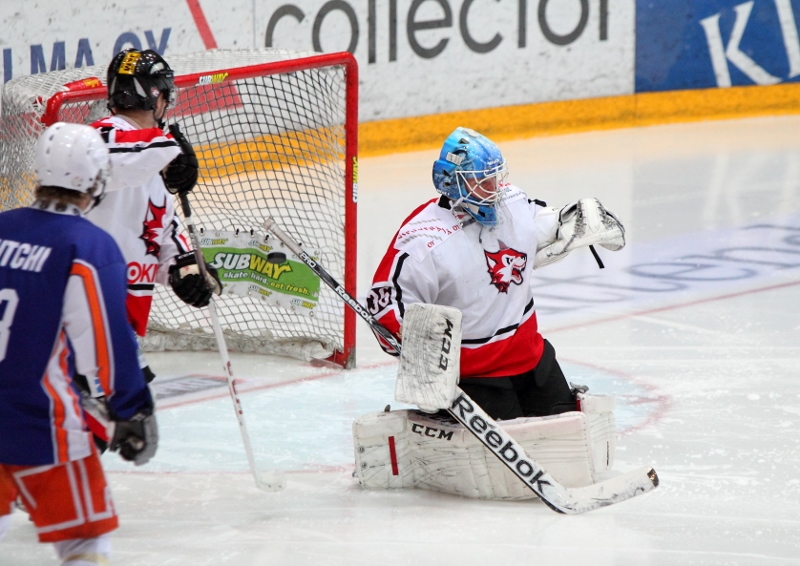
505	267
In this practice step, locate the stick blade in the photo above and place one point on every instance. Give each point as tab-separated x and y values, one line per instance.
614	490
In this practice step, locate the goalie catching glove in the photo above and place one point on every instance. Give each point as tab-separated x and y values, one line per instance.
135	439
189	284
180	176
580	224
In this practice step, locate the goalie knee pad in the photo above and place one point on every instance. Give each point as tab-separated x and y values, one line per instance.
404	449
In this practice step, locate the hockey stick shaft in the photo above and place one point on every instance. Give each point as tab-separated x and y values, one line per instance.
268	481
271	226
489	433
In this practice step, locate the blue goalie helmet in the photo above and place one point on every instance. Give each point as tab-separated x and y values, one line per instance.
471	172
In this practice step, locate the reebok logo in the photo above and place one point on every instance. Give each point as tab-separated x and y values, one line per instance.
500	443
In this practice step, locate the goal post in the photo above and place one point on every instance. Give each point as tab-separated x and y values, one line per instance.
276	134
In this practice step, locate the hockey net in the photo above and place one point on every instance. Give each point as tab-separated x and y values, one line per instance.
275	132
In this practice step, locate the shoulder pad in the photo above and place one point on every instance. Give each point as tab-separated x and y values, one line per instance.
425	230
513	193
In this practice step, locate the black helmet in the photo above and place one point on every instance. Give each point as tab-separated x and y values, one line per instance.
136	78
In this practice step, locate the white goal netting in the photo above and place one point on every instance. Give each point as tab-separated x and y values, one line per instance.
275	133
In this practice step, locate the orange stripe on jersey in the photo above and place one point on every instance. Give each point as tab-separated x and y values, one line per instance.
101	343
58	411
63	359
64	363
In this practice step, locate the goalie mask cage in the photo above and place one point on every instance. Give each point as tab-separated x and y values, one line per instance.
275	133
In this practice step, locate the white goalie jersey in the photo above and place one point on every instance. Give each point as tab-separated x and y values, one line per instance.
439	258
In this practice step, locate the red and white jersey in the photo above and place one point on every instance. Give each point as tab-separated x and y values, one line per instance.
449	259
138	211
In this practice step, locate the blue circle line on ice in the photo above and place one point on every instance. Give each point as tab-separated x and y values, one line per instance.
638	404
306	425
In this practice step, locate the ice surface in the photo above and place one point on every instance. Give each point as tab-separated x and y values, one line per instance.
695	327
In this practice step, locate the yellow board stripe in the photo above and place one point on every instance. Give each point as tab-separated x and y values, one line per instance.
269	153
569	116
506	123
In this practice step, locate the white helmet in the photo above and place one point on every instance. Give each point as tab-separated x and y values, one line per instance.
72	156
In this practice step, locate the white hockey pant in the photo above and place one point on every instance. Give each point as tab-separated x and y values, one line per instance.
404	449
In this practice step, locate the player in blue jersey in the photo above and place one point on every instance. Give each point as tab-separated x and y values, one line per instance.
62	310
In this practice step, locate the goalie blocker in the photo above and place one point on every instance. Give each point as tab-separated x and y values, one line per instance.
410	449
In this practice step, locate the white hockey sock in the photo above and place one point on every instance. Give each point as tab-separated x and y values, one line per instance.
5	521
85	551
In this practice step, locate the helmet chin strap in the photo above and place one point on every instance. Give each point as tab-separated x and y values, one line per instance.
160	119
471	211
459	210
100	189
96	201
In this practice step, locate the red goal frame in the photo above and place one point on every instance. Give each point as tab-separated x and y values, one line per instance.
86	90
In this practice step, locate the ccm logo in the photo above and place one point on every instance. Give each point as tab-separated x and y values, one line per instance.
431	432
446	342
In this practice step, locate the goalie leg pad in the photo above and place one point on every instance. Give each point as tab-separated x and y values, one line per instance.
599	410
383	451
404	449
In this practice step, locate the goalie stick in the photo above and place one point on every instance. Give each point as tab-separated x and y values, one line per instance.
266	480
489	433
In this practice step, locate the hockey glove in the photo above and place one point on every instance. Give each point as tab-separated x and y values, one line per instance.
136	439
149	375
188	283
580	224
180	176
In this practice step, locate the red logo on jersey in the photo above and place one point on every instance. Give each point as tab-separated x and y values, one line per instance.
141	272
153	227
505	267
